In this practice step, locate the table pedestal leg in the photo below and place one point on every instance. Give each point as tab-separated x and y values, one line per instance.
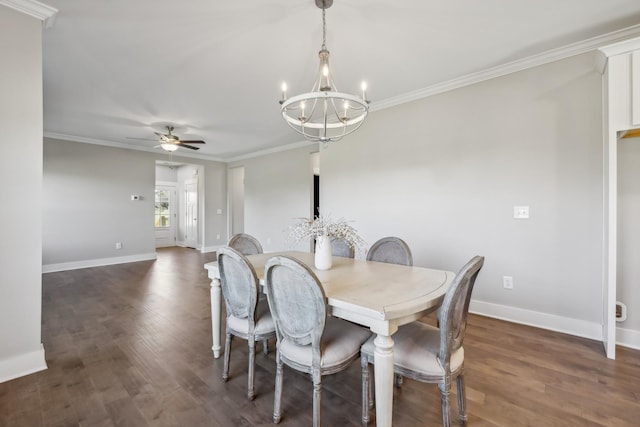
383	357
215	316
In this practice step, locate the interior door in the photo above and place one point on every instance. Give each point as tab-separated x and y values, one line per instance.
191	212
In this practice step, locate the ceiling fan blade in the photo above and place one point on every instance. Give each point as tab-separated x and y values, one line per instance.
192	142
159	134
189	147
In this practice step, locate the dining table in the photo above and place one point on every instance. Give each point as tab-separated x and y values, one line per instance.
376	295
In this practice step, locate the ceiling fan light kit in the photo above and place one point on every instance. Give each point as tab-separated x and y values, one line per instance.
170	142
169	147
324	114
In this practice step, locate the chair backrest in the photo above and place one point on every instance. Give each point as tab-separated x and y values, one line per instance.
340	247
392	250
297	302
452	316
245	244
239	283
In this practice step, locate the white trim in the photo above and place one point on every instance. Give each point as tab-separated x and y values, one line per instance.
75	265
628	338
567	325
512	67
33	8
624	46
278	149
623	39
23	364
73	138
206	249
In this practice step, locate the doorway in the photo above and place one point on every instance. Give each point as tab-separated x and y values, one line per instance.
315	168
191	213
628	239
165	215
187	210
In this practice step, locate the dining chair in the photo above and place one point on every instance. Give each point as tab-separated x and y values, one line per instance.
432	354
340	247
245	244
247	316
392	250
307	339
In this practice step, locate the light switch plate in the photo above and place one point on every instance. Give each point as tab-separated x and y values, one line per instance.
521	212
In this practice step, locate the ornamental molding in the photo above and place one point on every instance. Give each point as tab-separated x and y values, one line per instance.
33	8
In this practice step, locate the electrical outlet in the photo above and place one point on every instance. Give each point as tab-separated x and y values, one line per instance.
507	282
118	245
217	237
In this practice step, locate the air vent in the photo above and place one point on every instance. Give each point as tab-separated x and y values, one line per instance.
621	312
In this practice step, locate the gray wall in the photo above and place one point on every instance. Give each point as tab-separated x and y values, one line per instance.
277	189
88	208
21	174
166	173
445	172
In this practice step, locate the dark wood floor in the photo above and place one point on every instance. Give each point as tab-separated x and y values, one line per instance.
130	345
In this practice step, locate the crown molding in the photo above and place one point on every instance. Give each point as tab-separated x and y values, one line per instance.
620	37
620	41
33	8
618	48
73	138
273	150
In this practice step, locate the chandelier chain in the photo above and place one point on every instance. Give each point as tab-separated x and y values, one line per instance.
324	29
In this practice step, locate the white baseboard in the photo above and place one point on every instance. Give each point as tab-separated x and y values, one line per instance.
50	268
624	337
567	325
206	249
24	364
628	338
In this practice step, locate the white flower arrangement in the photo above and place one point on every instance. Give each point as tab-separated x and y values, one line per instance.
306	229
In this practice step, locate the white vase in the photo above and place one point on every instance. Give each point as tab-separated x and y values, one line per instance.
323	257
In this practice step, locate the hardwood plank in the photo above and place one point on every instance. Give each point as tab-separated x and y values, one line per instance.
130	344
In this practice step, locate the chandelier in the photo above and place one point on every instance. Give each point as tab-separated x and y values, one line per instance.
324	114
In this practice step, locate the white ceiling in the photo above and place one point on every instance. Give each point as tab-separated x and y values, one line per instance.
121	69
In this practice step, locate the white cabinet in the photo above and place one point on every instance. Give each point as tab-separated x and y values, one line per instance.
635	87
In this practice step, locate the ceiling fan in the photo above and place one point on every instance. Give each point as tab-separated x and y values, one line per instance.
171	142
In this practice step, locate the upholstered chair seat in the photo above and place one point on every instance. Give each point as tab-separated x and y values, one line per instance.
263	322
416	350
339	341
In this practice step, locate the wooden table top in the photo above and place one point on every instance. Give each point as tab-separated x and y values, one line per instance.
372	289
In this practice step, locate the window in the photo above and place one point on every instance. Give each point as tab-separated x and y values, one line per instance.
162	216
